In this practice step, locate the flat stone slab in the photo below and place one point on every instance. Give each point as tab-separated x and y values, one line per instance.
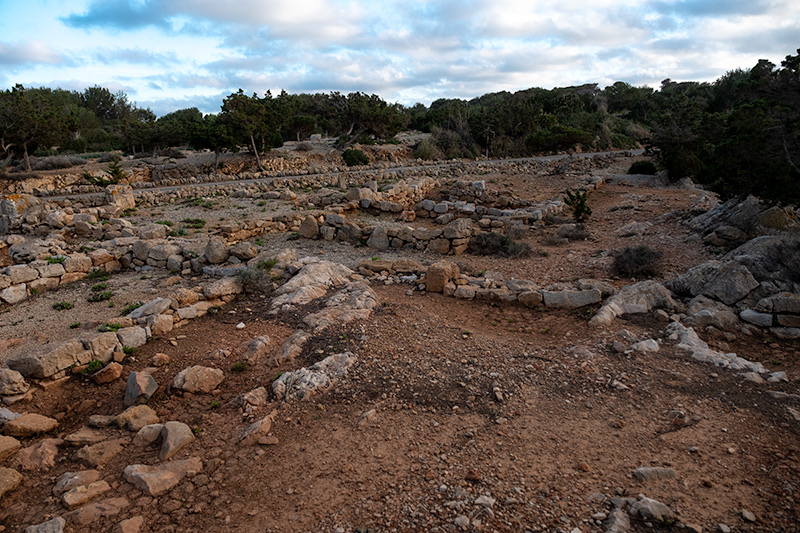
29	424
136	417
100	453
85	436
155	480
71	480
83	494
56	525
97	510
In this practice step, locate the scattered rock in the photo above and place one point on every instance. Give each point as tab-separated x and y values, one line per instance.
200	379
257	430
652	473
8	445
84	494
175	437
136	417
131	525
12	382
29	424
111	372
140	388
9	480
38	456
652	510
71	480
101	453
748	516
56	525
155	480
95	511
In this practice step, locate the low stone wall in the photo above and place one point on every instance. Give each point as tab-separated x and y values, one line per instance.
445	277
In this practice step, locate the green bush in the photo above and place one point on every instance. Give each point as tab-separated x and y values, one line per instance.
643	167
62	306
255	280
427	151
353	157
576	200
637	262
492	243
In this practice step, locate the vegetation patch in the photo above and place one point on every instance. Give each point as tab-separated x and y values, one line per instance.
492	243
637	262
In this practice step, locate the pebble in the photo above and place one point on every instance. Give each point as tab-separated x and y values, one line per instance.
748	515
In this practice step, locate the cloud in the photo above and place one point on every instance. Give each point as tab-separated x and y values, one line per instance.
120	14
31	52
134	56
712	8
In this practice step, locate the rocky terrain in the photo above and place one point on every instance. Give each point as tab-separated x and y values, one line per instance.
316	348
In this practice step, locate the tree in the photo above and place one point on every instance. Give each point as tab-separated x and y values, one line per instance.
213	134
245	116
33	121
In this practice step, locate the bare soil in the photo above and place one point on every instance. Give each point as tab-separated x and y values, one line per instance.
449	400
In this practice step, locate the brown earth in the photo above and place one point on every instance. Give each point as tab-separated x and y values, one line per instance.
449	400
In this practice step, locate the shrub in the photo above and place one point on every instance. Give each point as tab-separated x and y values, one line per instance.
637	261
255	280
492	243
56	162
427	150
573	232
576	200
643	167
62	306
109	327
241	366
53	259
130	308
304	147
353	157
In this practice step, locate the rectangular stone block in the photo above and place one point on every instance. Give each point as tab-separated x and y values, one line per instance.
44	364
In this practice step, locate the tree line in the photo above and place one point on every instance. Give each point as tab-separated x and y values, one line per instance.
738	134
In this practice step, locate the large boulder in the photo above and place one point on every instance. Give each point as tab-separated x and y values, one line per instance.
121	196
216	251
440	274
641	297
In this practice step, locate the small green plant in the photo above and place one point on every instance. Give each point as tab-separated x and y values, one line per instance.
62	306
99	287
259	242
262	203
128	212
197	430
214	404
109	327
75	325
241	366
194	223
637	262
374	258
57	259
255	280
93	366
643	167
353	157
98	274
129	308
576	200
128	350
165	222
100	296
267	264
214	310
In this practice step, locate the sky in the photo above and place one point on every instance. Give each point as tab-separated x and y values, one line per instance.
173	54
